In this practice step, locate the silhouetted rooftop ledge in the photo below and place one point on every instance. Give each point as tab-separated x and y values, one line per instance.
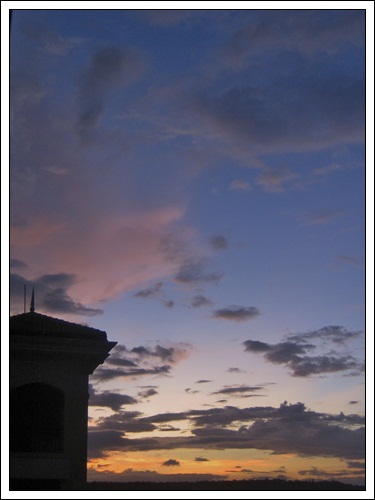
36	324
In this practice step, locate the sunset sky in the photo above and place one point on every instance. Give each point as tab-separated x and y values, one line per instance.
193	183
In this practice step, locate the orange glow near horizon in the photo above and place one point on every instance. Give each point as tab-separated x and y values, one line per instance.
255	464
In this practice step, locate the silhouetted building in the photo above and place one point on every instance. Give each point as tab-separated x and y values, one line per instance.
50	363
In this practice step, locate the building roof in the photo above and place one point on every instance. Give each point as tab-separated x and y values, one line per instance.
36	324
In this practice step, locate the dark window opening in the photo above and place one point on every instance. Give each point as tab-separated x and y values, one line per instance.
36	419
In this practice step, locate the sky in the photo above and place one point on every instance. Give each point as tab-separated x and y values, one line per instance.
193	182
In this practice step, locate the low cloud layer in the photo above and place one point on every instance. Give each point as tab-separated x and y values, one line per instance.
289	428
294	352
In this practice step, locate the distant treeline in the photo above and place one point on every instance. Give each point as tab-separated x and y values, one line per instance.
244	485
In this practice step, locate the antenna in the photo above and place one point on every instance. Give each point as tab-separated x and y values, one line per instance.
32	305
24	298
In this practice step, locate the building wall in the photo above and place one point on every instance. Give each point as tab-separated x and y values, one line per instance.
65	371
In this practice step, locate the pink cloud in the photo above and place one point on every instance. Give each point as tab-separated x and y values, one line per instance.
109	254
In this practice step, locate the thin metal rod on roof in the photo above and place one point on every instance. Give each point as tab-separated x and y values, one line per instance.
32	305
24	298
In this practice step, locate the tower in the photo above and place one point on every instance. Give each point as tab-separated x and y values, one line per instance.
49	367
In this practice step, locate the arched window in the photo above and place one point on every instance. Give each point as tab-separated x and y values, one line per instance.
36	419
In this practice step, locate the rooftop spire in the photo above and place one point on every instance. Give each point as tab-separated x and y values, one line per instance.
32	305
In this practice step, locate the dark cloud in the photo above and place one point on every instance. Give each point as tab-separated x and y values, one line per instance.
334	333
315	472
105	374
109	399
189	391
290	428
147	393
235	370
51	294
238	390
261	120
130	475
219	242
203	381
171	463
168	303
108	69
100	443
256	346
17	264
152	291
352	464
140	361
236	313
200	301
124	421
293	352
201	459
193	272
167	428
155	291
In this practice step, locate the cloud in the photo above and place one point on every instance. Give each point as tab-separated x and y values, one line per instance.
239	185
124	421
131	475
239	390
194	272
141	361
17	264
201	459
321	217
334	475
203	381
155	291
293	352
200	301
235	370
258	120
236	313
289	428
48	41
102	442
108	69
332	333
51	293
353	464
131	243
219	242
105	374
357	261
171	463
148	392
304	32
109	399
152	291
272	180
169	17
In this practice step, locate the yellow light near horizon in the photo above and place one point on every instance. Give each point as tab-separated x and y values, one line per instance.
230	463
